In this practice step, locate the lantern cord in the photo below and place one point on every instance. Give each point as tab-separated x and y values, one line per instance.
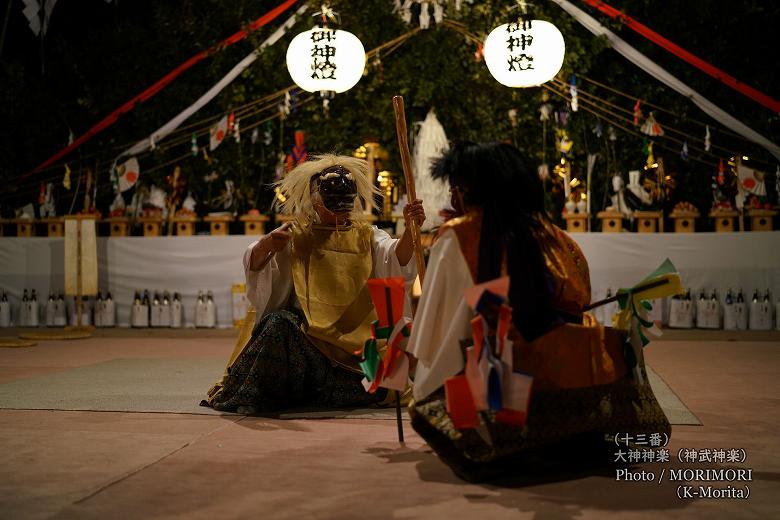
661	109
603	113
581	93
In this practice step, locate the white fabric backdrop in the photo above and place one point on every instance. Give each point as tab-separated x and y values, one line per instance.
746	261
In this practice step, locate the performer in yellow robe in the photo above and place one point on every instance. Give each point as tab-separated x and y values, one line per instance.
581	386
307	283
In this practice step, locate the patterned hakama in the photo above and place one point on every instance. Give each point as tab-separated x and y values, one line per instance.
281	369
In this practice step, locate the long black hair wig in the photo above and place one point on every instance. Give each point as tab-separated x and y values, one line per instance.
498	178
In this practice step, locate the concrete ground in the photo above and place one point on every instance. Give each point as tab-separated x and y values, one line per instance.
78	464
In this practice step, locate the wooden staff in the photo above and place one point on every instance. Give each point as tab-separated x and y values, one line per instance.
406	162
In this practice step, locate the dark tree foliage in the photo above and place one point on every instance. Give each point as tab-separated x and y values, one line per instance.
96	56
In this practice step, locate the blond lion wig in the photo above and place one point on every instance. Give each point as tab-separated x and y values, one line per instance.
296	186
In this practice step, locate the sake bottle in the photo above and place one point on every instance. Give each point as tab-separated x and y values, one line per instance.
99	309
32	312
176	311
165	310
51	310
200	311
155	310
5	311
24	311
211	311
109	311
61	313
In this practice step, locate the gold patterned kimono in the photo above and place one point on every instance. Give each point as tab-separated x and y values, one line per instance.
580	387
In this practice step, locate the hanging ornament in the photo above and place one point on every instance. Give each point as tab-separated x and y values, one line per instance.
564	143
66	178
637	112
403	8
512	114
684	151
218	132
298	154
650	163
425	17
128	173
525	53
237	131
611	134
255	135
324	59
597	129
707	143
651	127
562	117
479	54
438	12
544	112
268	135
194	144
721	178
573	92
379	67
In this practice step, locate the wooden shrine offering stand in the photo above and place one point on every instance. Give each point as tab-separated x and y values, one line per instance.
761	219
254	224
576	222
152	225
184	223
55	226
218	224
684	221
649	221
611	221
118	226
25	227
724	220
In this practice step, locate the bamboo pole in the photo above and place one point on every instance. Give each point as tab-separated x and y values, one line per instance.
406	161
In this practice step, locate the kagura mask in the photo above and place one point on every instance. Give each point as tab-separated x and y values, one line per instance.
337	188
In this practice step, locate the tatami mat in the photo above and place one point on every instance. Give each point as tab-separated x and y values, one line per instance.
178	385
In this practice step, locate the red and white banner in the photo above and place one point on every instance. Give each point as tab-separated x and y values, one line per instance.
218	133
128	173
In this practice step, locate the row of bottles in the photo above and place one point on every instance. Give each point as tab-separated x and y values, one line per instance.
159	310
55	312
734	313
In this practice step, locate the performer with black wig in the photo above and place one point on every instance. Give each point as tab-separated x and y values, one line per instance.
581	387
307	283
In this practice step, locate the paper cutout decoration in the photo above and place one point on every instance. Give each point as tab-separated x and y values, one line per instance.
634	306
491	380
387	365
460	404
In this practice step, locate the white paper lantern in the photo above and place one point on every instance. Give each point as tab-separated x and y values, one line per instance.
525	53
325	59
